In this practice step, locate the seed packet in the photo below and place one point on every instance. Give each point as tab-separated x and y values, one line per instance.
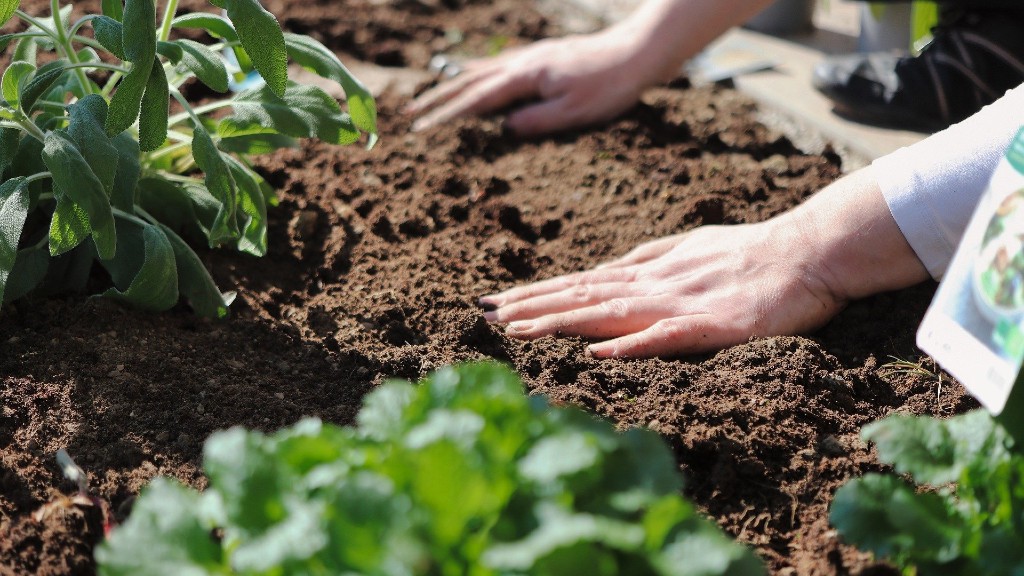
974	326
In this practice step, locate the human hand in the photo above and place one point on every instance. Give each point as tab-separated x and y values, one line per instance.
704	290
579	80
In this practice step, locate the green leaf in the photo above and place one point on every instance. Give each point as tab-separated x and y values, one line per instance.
14	203
138	38
261	36
114	9
9	141
139	32
40	83
886	516
934	451
109	33
170	50
85	127
317	58
143	269
73	177
195	282
185	209
219	182
216	25
304	112
7	8
256	144
154	110
127	100
165	534
29	271
25	50
69	226
126	179
206	64
252	204
14	80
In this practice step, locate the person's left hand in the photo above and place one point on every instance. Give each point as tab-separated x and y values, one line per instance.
704	290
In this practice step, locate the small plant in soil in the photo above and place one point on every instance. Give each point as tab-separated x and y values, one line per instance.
103	160
970	518
463	474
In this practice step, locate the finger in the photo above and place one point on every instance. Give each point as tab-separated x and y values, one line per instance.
579	296
643	253
543	117
671	337
445	90
557	284
609	319
486	95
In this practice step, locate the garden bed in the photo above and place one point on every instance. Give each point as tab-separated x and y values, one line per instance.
376	260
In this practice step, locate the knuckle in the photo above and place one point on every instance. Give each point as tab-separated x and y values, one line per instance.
616	308
670	329
580	293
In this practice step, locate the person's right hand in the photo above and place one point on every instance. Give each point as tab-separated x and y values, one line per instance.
572	81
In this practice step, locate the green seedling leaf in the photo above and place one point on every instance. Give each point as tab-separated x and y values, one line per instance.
154	110
195	283
261	36
87	117
73	177
304	112
126	179
163	535
216	25
143	270
206	64
7	8
14	203
39	84
29	270
14	80
317	58
25	50
113	8
10	139
219	182
109	33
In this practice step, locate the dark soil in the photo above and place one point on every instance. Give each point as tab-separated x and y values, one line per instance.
376	261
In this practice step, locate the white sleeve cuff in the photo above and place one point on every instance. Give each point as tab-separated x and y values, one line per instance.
933	186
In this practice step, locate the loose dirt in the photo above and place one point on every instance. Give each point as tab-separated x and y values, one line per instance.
377	258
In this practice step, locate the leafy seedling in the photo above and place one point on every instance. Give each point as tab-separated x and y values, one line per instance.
104	164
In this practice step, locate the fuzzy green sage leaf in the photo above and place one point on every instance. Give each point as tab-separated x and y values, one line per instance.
74	178
263	40
14	203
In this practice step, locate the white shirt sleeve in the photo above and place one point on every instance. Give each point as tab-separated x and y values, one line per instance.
932	187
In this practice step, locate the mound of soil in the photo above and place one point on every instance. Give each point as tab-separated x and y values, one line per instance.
377	258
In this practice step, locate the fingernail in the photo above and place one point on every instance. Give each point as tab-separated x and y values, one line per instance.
487	304
519	327
491	316
420	124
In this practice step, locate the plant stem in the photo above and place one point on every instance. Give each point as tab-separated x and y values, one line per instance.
38	24
129	216
29	127
39	176
165	27
194	112
67	48
99	66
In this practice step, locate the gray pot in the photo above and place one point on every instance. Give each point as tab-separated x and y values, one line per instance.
784	17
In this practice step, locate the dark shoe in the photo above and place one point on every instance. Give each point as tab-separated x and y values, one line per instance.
974	58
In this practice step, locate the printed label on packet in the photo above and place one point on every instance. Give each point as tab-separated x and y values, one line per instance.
974	326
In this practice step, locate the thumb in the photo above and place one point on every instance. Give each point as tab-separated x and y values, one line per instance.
543	117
